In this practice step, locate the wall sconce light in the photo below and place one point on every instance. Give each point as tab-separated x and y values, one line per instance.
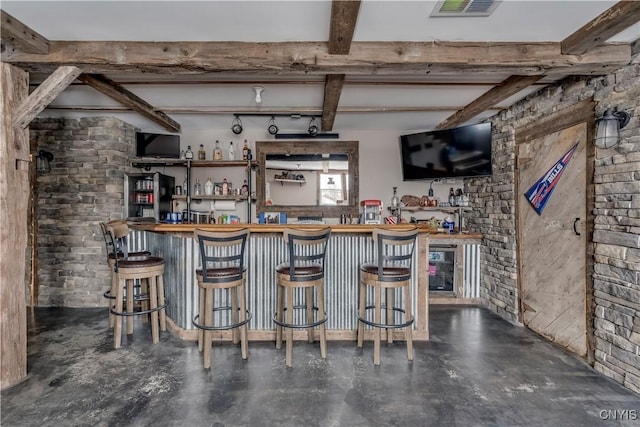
258	90
272	127
608	127
236	125
313	127
43	161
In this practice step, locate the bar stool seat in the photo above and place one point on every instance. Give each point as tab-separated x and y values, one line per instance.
304	270
223	270
127	270
392	271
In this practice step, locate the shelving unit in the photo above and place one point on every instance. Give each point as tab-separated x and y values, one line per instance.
147	164
453	210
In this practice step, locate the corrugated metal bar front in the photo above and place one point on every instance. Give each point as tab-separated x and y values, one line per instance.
265	251
471	271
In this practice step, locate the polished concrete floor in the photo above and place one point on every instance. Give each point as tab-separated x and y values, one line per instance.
477	370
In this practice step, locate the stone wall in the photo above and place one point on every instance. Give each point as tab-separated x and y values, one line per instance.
617	217
85	187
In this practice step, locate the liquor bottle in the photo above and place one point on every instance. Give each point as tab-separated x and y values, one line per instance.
245	188
395	202
225	187
245	151
232	151
202	155
217	151
197	188
185	187
182	155
452	197
188	154
208	187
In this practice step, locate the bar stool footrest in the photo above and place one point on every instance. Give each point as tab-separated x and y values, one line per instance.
221	327
385	325
299	325
138	313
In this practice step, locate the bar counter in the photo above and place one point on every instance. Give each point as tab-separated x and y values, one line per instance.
349	246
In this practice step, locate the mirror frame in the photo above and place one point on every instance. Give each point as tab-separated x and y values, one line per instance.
308	147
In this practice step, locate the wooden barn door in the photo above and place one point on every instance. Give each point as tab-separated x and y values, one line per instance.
552	245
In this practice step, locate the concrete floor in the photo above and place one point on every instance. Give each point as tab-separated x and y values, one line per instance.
476	371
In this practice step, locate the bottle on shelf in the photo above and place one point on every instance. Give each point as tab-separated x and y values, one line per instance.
245	188
395	201
232	151
217	151
245	151
208	187
188	154
185	187
202	155
197	188
225	187
452	197
183	155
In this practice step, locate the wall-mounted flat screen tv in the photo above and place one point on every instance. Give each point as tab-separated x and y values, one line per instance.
157	145
459	152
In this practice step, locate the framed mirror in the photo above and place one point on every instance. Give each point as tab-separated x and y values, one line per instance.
307	178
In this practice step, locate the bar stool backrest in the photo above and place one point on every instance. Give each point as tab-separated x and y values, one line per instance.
394	249
306	248
116	236
222	250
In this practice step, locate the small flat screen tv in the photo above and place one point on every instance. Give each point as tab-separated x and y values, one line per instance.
450	153
157	145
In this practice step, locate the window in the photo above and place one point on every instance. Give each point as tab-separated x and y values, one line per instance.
333	188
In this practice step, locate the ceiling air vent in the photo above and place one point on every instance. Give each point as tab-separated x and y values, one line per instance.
461	8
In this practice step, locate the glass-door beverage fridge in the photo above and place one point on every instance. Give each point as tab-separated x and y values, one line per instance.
148	195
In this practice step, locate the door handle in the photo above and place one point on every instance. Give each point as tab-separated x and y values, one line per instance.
575	229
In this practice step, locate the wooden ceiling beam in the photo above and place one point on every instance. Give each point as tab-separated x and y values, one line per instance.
344	15
332	92
594	33
42	96
509	87
115	91
308	58
19	36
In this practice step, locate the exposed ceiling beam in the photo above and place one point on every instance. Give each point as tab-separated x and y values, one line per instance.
344	15
17	35
42	96
381	58
332	91
612	21
115	91
509	87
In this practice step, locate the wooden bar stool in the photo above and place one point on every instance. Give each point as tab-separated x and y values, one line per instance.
127	270
304	269
391	271
223	268
110	294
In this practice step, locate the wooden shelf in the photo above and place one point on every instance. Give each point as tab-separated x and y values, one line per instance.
447	209
237	198
194	163
296	181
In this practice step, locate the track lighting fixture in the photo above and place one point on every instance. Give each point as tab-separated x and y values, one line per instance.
236	125
313	127
272	128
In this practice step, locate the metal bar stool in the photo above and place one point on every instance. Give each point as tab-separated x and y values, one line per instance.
223	268
304	269
391	271
127	270
110	294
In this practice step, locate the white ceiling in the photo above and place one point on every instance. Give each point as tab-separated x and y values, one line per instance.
280	21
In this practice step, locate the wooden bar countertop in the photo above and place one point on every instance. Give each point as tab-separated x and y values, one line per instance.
277	228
